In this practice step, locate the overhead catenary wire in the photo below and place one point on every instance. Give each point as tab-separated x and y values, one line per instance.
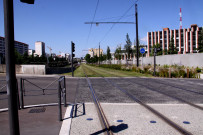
92	21
117	21
114	17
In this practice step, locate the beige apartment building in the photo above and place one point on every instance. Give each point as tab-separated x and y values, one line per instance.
93	52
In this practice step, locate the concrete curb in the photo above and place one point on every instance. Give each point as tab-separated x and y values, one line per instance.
66	125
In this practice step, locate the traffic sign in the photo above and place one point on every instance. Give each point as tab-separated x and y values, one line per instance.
142	50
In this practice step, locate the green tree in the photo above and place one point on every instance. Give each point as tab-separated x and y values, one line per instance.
172	48
200	41
159	50
18	57
25	58
128	46
95	59
87	58
118	53
108	53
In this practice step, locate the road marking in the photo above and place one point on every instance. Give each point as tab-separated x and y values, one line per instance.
65	128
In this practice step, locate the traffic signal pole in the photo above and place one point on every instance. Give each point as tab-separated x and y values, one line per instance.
10	68
137	45
72	55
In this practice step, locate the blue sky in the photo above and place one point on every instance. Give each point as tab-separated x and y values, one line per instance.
58	22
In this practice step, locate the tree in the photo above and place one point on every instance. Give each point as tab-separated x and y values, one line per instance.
18	57
87	58
108	53
118	53
200	41
159	50
172	48
128	46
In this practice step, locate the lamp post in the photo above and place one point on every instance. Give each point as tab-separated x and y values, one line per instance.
10	66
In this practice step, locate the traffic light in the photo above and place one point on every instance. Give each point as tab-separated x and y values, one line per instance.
73	55
73	47
28	1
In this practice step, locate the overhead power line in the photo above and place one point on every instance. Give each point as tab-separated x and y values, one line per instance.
117	21
93	20
109	22
114	17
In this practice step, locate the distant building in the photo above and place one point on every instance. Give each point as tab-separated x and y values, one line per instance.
124	55
19	46
94	52
185	40
39	48
31	52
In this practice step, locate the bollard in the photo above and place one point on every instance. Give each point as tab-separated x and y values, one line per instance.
169	72
65	104
17	93
59	102
76	109
83	108
21	93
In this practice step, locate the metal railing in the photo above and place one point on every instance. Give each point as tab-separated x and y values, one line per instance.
5	92
61	95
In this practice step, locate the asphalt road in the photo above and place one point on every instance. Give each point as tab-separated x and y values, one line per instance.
148	90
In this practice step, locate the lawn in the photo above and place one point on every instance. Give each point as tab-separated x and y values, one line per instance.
93	71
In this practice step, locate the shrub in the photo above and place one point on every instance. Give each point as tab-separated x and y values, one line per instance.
163	72
182	73
198	70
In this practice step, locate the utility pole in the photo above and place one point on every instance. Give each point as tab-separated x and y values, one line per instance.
137	45
10	68
99	53
155	51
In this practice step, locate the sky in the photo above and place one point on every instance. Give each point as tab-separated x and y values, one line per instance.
58	22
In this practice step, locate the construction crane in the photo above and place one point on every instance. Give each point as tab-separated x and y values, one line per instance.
50	49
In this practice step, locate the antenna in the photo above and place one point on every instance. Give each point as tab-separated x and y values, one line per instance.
180	19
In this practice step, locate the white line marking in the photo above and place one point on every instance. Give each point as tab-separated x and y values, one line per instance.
65	128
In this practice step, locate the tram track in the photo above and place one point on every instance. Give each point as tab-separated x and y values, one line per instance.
155	112
103	120
163	93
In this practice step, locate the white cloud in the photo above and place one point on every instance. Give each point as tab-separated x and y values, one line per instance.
144	40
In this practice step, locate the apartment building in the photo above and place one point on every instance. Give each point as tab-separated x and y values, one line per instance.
39	48
94	52
185	40
19	46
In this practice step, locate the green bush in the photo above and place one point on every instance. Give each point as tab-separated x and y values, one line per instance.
163	72
198	70
182	73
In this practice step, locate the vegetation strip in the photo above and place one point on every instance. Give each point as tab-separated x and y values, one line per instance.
171	123
103	119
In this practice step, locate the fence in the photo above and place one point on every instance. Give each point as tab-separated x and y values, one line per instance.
61	91
3	92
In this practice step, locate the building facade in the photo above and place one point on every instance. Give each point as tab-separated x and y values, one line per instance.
185	40
39	48
31	52
19	46
94	52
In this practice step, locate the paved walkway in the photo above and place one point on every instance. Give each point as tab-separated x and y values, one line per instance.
34	121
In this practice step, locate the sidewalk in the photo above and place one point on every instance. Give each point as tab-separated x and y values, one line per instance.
35	121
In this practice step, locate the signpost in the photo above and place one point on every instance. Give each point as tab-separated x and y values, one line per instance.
142	51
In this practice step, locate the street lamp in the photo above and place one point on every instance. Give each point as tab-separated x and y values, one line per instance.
10	66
